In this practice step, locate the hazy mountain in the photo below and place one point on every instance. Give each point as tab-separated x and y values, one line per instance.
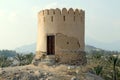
26	48
113	46
8	53
92	45
31	48
89	48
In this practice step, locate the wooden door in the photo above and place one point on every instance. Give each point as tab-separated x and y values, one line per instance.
50	45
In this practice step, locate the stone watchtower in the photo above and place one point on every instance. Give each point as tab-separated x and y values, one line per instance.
61	36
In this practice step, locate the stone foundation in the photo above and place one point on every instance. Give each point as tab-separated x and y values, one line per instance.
71	58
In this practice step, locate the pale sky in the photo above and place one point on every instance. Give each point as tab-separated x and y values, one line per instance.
18	19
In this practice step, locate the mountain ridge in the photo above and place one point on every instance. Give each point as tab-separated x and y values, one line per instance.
110	46
32	47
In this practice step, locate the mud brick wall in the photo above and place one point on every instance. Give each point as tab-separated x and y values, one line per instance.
71	58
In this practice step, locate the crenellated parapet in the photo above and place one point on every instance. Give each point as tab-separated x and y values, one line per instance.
70	15
64	11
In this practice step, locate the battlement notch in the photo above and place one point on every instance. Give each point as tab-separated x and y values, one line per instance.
63	11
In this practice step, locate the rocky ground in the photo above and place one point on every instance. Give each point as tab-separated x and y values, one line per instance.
45	72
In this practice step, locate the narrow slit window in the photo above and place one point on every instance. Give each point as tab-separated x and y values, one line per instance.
44	19
43	12
47	12
52	18
74	18
64	18
81	18
53	12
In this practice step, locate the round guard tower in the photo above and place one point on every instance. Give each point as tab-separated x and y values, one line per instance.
61	36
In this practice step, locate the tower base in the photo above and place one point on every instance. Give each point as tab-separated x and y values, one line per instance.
78	58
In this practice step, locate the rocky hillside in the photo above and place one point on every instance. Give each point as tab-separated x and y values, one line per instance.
45	72
89	48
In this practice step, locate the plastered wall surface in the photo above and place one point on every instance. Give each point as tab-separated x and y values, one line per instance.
67	22
68	27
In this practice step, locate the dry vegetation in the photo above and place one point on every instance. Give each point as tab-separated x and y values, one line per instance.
99	65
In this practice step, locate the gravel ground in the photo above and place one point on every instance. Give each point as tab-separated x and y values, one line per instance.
44	72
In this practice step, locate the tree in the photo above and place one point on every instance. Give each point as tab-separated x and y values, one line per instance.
113	59
8	53
24	59
20	58
4	61
98	70
29	57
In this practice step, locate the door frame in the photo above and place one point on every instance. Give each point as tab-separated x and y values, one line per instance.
50	44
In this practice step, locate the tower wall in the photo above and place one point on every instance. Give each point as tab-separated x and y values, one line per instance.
68	28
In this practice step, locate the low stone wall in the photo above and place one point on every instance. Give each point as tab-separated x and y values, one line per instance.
78	58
